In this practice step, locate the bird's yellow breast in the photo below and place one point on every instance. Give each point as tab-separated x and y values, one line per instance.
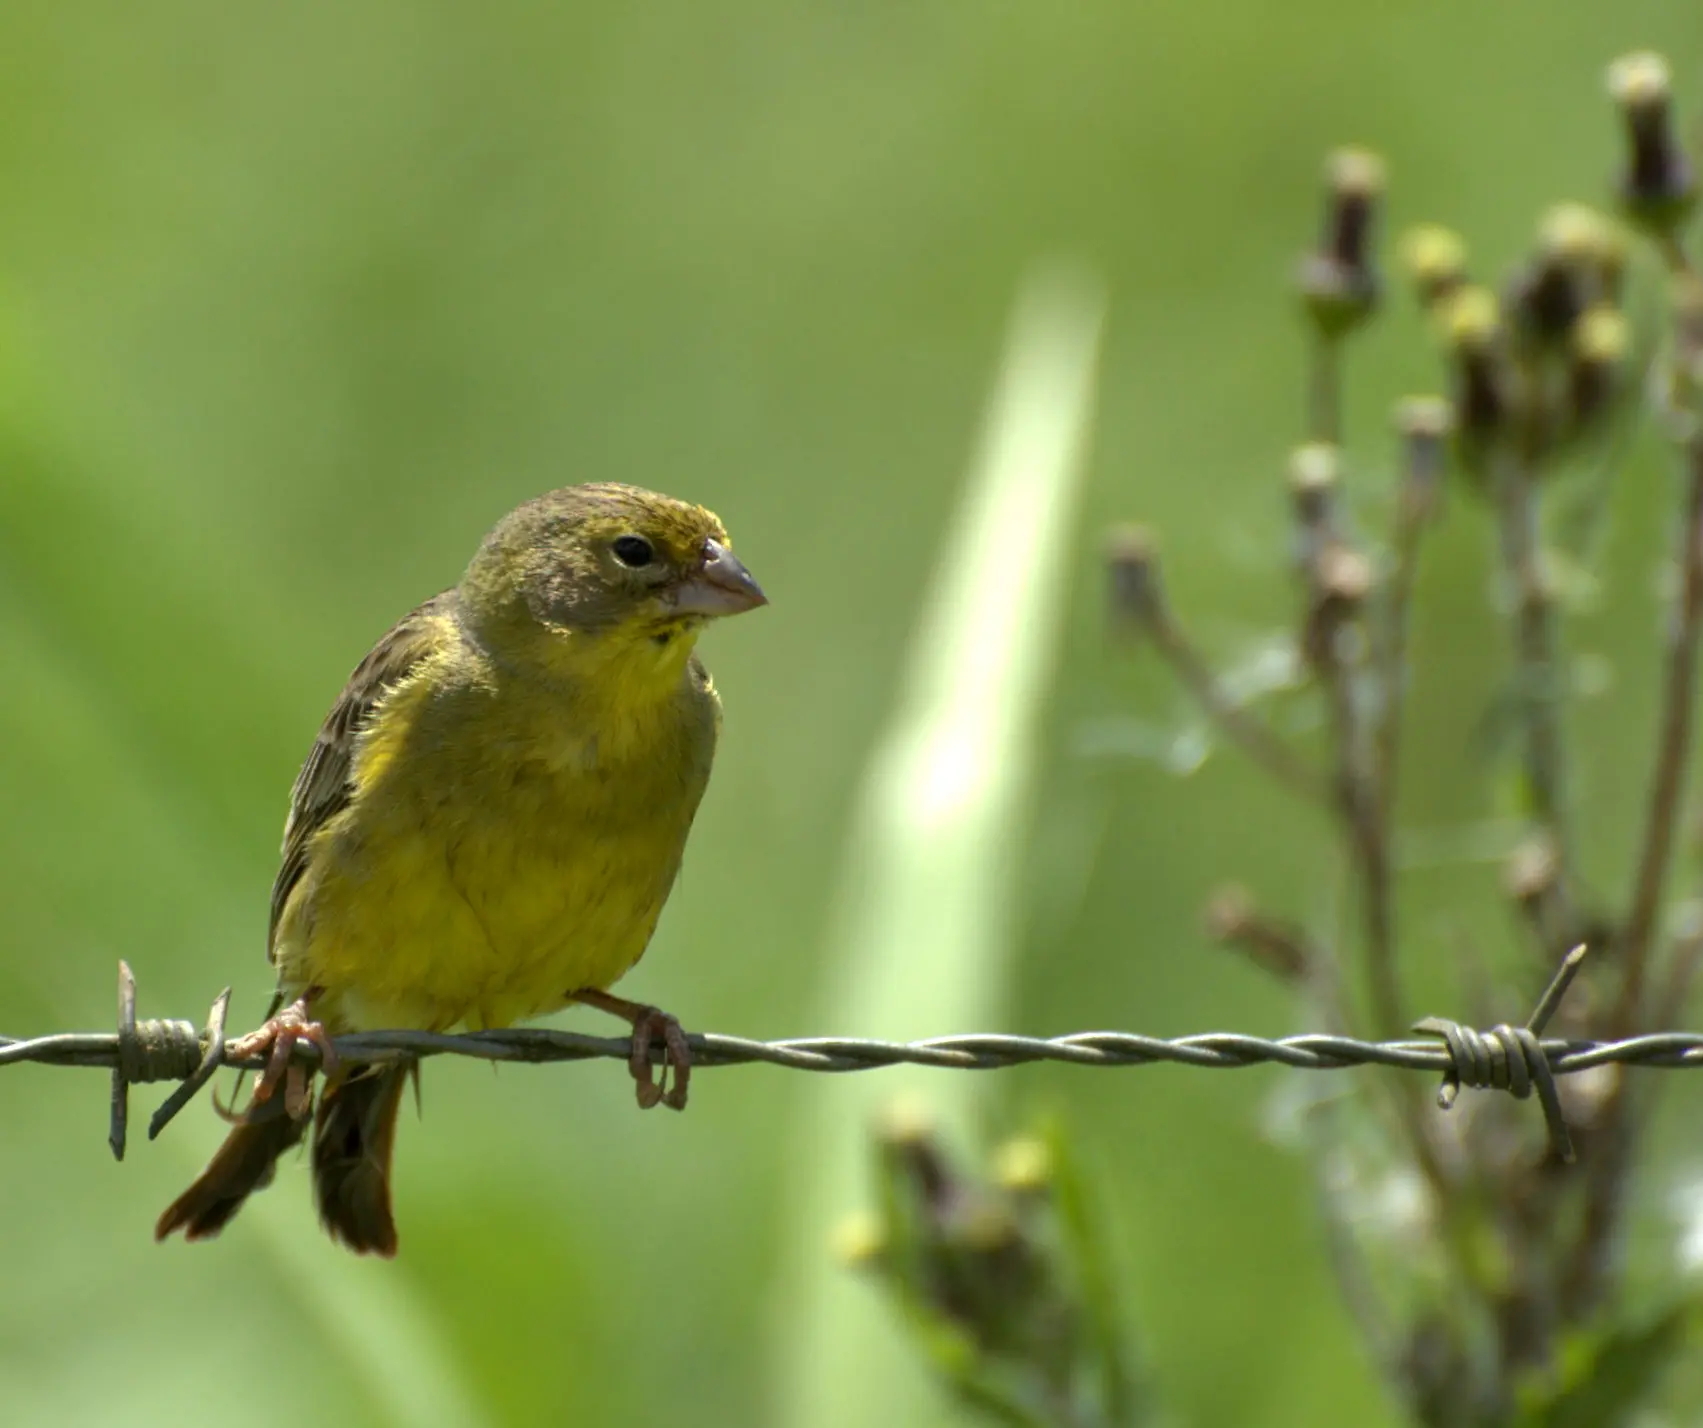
506	844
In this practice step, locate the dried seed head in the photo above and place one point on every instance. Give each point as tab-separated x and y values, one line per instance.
1580	261
908	1136
1314	472
907	1121
1533	871
1472	329
1544	302
1339	280
1345	576
1435	260
1339	580
1424	419
1657	186
1132	568
1602	335
1588	242
859	1241
1424	424
1472	320
1313	481
1024	1165
1232	919
986	1227
1640	82
1599	346
1229	914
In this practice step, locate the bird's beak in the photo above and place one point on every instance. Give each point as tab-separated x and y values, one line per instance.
720	586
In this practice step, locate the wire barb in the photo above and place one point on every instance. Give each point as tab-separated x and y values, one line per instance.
211	1060
144	1051
1510	1058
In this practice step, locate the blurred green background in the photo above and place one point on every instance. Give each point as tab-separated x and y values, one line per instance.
295	300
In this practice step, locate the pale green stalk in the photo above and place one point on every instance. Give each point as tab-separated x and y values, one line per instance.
925	924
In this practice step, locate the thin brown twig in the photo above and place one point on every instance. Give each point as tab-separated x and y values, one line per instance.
1331	627
1673	751
1337	583
1424	424
1324	388
1242	728
1392	676
1594	1253
1357	805
1678	710
1536	662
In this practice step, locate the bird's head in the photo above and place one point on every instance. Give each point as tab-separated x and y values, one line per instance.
602	567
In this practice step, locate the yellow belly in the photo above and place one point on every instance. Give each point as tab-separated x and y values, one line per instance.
482	875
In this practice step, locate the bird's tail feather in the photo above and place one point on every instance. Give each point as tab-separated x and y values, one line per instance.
354	1132
243	1164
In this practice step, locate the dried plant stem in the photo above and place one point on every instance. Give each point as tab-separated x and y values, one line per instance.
1324	389
1392	673
1687	957
1678	701
1236	724
1537	672
1332	638
1353	1275
1673	750
1588	1273
1359	806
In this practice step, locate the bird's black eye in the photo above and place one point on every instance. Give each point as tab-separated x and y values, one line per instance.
633	551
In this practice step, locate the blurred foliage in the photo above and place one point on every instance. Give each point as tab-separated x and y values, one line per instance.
295	300
1003	1276
1484	1268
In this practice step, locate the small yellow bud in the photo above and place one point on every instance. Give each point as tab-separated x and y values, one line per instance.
1024	1165
859	1240
1314	469
907	1120
1435	259
1355	172
1424	418
1472	319
1576	232
1639	80
1602	335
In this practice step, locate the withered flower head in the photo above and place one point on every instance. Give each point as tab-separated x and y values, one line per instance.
1658	186
1339	279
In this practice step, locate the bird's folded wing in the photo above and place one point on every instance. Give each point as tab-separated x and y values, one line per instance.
325	786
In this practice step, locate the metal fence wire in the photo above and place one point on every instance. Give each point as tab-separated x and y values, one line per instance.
1515	1059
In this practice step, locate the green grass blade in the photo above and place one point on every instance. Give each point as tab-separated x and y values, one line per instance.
923	939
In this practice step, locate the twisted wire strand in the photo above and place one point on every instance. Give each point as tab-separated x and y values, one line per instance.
980	1051
1517	1060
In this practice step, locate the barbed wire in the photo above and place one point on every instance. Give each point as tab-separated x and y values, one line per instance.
1515	1059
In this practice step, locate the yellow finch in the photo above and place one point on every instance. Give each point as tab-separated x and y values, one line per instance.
487	827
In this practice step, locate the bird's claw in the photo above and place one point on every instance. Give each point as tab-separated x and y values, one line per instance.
277	1039
649	1022
651	1083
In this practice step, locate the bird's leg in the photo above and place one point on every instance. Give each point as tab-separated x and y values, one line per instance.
277	1039
648	1022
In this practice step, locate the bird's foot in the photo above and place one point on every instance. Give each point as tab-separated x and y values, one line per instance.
276	1040
649	1022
